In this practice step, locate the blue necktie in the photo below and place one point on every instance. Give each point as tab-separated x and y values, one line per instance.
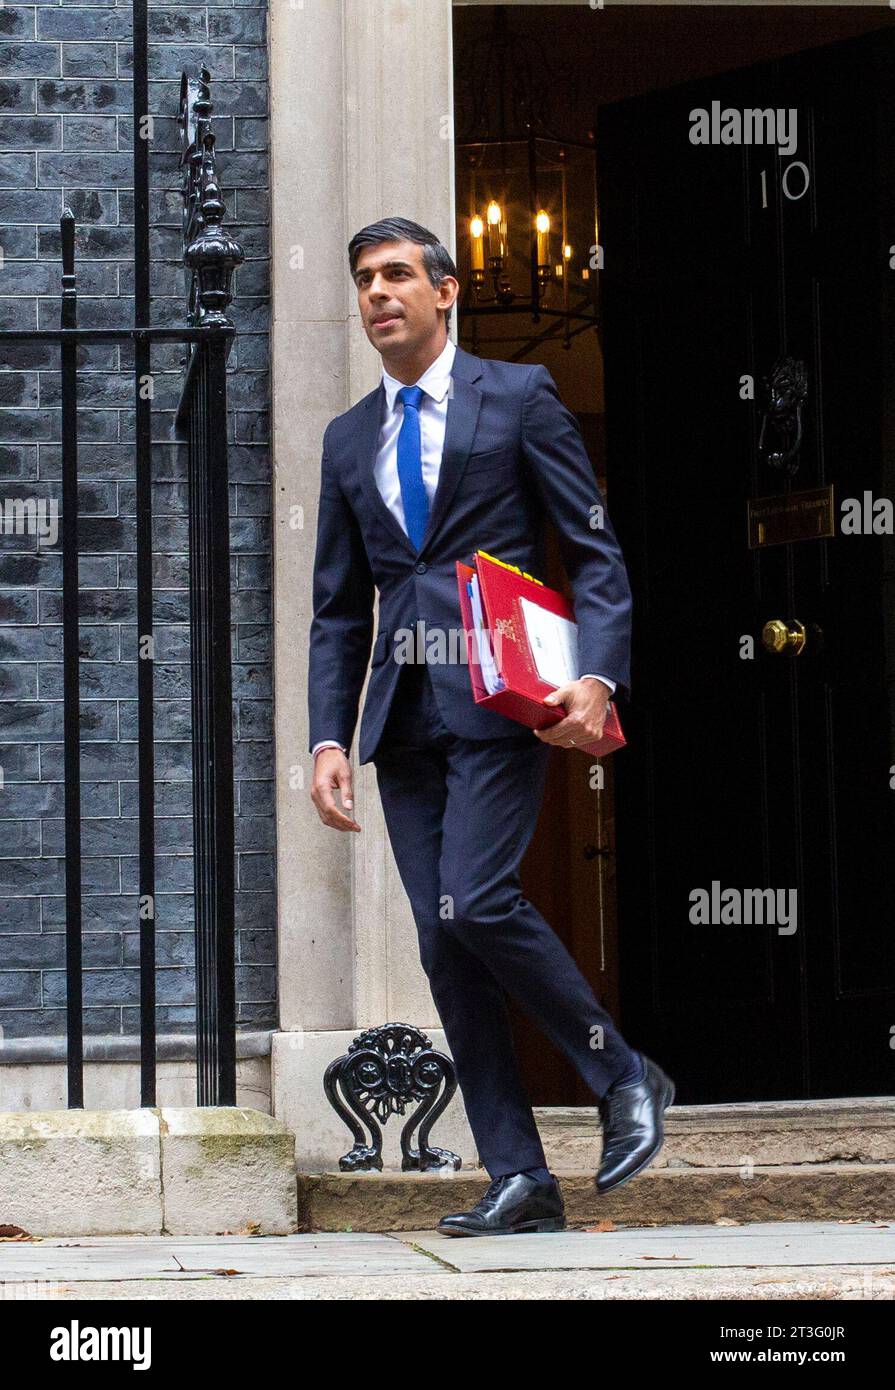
410	466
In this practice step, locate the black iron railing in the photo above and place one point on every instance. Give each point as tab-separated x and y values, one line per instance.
210	255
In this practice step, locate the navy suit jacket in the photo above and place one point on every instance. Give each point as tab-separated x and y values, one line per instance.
513	455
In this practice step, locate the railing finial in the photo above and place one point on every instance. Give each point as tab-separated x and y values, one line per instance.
210	253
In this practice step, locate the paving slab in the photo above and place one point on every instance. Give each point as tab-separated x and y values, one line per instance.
769	1260
179	1258
765	1245
844	1283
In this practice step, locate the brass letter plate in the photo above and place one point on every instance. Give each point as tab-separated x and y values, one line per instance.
793	516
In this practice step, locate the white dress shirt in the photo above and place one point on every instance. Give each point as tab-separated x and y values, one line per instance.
435	382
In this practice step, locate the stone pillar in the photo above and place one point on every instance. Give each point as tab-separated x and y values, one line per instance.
361	106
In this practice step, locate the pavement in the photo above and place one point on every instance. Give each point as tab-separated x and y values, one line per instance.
844	1260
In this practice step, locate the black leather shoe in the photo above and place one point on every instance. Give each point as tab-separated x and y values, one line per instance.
512	1204
633	1129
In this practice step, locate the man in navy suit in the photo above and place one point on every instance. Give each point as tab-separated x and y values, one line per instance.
453	453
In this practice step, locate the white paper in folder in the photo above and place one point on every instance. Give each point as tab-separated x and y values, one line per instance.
490	674
553	641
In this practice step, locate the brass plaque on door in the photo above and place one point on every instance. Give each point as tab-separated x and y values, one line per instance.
790	516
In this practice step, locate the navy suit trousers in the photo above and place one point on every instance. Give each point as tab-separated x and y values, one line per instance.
460	814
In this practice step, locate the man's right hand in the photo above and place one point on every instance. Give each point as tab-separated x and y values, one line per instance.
332	770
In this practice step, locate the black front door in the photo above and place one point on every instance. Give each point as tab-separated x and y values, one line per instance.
756	798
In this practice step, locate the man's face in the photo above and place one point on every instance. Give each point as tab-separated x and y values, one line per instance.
397	300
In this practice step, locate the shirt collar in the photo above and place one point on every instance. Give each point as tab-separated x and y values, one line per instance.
435	380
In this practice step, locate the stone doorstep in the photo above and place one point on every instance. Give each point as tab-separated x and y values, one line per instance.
755	1161
660	1196
174	1170
760	1134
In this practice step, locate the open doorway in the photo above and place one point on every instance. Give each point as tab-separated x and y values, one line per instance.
749	773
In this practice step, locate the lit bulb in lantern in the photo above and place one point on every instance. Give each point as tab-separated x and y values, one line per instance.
495	241
542	225
477	245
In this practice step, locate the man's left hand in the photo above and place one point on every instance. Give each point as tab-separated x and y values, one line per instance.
585	702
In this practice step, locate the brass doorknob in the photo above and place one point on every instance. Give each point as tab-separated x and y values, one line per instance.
783	638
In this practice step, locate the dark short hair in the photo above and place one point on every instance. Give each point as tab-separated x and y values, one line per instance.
436	258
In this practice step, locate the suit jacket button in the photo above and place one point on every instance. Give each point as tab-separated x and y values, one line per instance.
421	567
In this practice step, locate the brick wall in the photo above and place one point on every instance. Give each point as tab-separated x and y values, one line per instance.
65	140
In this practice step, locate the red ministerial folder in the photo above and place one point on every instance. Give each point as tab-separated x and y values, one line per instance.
502	587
